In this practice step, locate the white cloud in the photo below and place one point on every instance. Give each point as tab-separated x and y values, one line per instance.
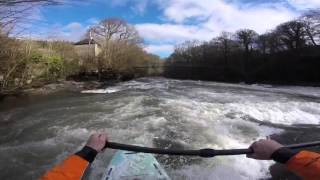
141	6
260	19
173	33
74	26
179	10
305	4
159	49
204	19
73	31
218	15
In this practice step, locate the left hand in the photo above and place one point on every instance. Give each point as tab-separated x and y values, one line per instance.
97	141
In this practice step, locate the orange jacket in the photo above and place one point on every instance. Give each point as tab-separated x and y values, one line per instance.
73	167
305	164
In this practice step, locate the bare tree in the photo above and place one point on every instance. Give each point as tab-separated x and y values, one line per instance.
188	51
315	14
269	43
115	29
311	21
114	35
246	37
18	2
292	34
262	43
14	12
225	42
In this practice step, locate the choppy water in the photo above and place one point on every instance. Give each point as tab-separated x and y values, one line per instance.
38	133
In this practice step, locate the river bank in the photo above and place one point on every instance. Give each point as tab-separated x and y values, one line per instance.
69	86
74	84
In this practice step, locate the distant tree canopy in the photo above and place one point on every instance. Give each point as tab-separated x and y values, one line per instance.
287	54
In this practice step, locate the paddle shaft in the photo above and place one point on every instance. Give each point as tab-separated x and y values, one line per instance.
202	152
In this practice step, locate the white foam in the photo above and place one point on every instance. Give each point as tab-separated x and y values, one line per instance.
308	91
207	115
157	121
280	112
224	169
102	91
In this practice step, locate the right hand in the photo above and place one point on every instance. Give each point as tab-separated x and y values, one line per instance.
97	141
263	149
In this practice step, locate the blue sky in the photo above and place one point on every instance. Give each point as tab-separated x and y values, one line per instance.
166	23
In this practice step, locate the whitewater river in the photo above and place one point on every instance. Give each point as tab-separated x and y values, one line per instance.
36	133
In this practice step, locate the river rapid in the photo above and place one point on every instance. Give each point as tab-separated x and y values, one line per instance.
36	133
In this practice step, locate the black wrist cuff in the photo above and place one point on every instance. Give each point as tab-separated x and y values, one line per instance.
87	153
283	155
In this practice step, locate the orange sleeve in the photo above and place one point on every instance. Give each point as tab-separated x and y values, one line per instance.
72	168
306	164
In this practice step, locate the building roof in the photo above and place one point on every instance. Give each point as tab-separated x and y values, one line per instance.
86	41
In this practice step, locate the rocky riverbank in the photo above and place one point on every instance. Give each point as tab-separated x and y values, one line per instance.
71	86
67	86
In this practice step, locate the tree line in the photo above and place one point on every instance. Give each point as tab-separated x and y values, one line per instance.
26	63
290	53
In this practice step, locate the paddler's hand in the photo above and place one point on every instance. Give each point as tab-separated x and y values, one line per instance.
97	141
263	149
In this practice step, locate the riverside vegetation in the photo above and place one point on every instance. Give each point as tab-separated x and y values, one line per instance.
289	54
29	63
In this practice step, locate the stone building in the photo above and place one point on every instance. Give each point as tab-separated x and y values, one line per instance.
88	51
88	48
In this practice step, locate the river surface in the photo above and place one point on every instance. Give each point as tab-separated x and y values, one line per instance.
36	133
